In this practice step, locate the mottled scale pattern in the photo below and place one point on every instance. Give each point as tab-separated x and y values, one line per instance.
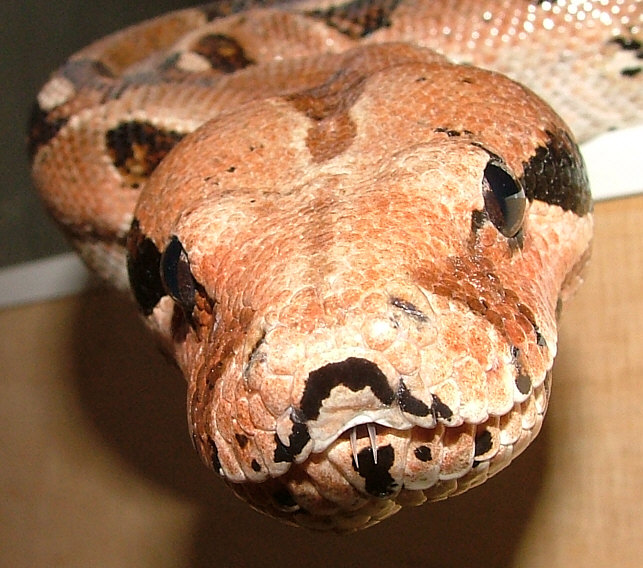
355	248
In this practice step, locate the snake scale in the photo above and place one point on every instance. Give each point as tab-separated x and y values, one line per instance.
355	250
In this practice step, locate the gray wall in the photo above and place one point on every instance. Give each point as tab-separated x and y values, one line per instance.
35	37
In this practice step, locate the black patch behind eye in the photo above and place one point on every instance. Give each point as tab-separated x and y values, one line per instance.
354	373
176	276
143	261
358	18
556	175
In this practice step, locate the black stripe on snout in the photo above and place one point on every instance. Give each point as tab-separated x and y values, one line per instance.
353	373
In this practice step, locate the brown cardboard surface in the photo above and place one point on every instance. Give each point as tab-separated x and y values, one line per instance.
96	467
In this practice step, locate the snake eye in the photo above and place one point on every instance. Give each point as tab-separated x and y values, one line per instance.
504	199
176	275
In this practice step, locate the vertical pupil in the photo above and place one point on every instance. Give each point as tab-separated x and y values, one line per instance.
176	275
505	200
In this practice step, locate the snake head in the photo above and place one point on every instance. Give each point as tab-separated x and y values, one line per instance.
361	285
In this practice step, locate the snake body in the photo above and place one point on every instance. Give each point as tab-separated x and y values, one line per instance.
355	250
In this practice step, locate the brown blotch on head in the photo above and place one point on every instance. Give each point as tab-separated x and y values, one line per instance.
136	148
224	53
242	440
328	106
473	283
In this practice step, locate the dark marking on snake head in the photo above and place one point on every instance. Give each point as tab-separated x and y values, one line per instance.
224	8
136	148
357	18
42	129
214	456
176	275
479	218
409	404
299	437
441	410
353	373
523	380
556	175
630	71
332	130
143	261
629	44
180	326
242	440
284	500
423	453
255	465
452	133
377	476
409	309
223	53
526	311
523	383
483	443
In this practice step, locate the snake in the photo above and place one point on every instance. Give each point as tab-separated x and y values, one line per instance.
352	224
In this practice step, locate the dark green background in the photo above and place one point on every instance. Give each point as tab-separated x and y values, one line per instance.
36	36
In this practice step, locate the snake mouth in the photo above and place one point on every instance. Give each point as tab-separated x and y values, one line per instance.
364	444
372	437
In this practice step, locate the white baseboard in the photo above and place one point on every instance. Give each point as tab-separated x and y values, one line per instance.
53	277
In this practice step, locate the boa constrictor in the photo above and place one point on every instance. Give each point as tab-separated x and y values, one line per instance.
355	250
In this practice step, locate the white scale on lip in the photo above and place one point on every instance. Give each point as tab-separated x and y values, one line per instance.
370	427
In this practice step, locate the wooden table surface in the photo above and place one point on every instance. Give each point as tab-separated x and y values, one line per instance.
96	468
